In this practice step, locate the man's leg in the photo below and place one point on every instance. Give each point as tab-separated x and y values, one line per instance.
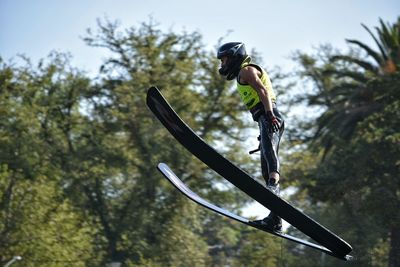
270	168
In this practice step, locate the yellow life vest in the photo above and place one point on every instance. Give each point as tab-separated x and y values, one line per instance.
248	94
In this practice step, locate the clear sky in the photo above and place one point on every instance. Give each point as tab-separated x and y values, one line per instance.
273	28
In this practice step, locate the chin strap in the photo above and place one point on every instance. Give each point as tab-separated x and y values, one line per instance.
238	66
245	62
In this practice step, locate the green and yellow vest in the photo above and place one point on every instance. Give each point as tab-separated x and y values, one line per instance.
248	94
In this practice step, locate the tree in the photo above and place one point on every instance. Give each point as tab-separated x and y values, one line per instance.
37	221
354	138
142	205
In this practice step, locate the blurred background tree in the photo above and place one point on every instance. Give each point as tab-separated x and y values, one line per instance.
355	138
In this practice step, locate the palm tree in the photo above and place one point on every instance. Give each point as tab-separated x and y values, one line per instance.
350	86
387	59
354	89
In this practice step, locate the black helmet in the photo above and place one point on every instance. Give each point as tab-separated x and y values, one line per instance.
236	53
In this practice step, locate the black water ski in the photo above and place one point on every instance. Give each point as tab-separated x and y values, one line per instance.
171	176
192	142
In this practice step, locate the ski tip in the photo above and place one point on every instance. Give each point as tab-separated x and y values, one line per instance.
151	92
162	166
165	170
152	89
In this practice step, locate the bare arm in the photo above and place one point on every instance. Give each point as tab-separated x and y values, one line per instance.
250	75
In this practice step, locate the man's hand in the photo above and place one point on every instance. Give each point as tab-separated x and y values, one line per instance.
275	124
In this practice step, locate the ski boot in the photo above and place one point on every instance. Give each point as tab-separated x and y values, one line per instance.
272	222
273	186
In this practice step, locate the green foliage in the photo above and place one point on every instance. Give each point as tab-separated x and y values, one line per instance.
78	184
37	221
39	226
90	148
176	63
259	249
355	139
